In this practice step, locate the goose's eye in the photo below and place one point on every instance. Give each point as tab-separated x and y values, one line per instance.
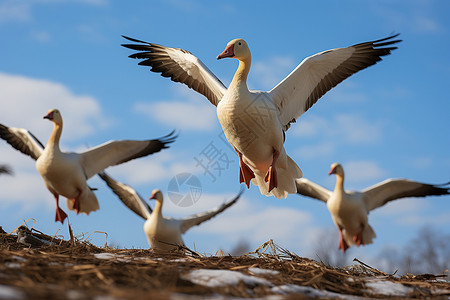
239	43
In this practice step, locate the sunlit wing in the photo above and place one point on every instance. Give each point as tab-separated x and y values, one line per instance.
319	73
116	152
180	66
22	140
128	196
392	189
310	189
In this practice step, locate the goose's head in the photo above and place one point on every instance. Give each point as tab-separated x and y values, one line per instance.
156	195
336	169
237	48
54	115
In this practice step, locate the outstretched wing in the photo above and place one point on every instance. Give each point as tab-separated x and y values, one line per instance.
116	152
205	216
181	66
392	189
310	189
22	140
128	196
319	73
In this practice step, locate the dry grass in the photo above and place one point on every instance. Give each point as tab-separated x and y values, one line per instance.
47	267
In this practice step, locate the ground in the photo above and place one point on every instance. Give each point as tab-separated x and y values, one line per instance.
34	265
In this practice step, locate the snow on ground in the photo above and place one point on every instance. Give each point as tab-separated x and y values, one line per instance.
7	292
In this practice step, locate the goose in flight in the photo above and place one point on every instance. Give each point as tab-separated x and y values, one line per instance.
349	209
163	233
254	122
65	173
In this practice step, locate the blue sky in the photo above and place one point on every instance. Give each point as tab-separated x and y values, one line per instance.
390	120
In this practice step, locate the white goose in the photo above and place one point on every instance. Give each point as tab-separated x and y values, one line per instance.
253	121
65	173
163	233
349	209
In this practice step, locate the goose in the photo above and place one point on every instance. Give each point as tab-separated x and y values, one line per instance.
65	173
254	122
349	209
4	169
164	234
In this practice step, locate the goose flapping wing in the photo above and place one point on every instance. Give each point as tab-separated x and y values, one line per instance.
319	73
128	196
310	189
113	153
180	66
197	219
22	140
392	189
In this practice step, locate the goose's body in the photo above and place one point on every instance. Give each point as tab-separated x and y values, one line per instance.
254	122
65	173
164	234
349	209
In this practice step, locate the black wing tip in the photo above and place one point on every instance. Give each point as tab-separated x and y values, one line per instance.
169	138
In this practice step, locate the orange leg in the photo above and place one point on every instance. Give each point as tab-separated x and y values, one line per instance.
76	203
271	175
245	173
342	243
358	238
60	214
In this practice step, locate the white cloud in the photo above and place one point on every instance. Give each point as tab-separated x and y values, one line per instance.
159	166
270	72
350	128
258	223
14	11
27	100
324	149
362	171
21	10
188	115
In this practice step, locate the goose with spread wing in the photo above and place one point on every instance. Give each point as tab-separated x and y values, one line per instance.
349	209
65	173
164	234
254	122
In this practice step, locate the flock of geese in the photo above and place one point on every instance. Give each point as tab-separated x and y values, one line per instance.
254	123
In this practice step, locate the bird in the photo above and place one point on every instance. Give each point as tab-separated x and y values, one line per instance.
255	122
65	173
349	209
4	169
164	234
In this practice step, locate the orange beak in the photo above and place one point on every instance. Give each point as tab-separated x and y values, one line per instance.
228	52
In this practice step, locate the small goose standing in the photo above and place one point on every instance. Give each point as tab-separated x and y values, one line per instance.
163	233
65	173
349	209
254	122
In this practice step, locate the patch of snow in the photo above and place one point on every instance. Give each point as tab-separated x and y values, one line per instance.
258	271
75	295
10	293
388	288
13	265
310	292
104	255
179	296
179	260
19	258
217	278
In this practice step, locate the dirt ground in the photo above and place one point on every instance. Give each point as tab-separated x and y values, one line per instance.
34	265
